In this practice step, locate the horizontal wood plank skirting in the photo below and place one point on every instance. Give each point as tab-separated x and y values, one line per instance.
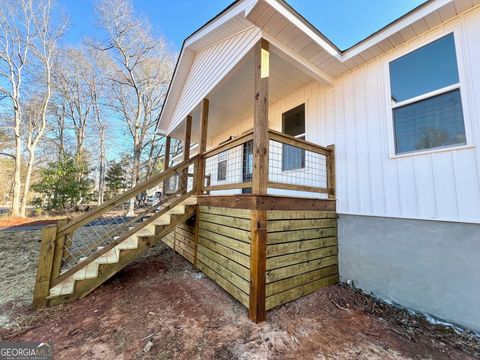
302	250
266	202
223	251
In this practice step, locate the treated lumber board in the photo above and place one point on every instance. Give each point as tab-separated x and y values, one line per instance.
237	234
260	118
299	280
202	146
285	186
186	242
239	213
298	246
242	185
186	255
226	220
292	294
293	141
185	248
297	269
226	285
228	275
331	175
233	244
185	232
105	272
297	235
45	264
266	202
224	251
256	311
299	214
291	259
238	269
286	225
230	144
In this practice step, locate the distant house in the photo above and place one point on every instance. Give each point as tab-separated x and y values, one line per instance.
310	165
401	107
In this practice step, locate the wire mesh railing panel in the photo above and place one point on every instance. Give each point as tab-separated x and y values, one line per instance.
292	165
230	167
123	217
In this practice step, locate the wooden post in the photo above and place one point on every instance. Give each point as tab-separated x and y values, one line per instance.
258	256
186	153
256	311
331	183
166	163
59	254
260	124
202	146
45	265
199	177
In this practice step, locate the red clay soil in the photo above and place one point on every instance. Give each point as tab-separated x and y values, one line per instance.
16	222
160	308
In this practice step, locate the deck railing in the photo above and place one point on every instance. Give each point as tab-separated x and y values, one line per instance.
294	164
70	246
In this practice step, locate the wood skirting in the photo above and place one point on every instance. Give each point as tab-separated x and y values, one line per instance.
264	257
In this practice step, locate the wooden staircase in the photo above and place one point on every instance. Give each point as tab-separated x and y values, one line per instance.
56	285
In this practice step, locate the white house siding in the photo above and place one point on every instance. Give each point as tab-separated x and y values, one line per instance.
209	67
354	115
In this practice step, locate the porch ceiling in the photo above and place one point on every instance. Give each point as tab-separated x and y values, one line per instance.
232	100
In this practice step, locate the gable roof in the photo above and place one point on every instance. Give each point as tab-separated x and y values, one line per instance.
302	40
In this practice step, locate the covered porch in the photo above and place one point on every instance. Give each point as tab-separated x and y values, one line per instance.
265	227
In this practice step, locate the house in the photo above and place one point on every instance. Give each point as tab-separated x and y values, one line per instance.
300	149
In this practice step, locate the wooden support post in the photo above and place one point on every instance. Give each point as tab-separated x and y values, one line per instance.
59	252
186	153
260	125
256	311
45	266
166	163
202	146
258	256
331	182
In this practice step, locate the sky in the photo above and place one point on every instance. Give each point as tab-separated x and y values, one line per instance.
344	22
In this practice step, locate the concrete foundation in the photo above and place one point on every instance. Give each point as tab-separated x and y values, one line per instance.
428	266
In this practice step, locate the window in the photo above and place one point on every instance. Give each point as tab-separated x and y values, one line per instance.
293	158
222	166
426	99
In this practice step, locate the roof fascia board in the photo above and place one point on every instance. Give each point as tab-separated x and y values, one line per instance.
238	8
302	25
299	61
394	28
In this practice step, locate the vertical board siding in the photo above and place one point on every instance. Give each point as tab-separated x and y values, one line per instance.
354	114
302	256
209	67
223	252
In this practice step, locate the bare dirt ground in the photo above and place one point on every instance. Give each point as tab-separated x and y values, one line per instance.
161	308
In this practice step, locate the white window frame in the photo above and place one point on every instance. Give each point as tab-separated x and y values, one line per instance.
461	86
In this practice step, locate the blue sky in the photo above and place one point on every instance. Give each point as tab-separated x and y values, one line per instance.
344	22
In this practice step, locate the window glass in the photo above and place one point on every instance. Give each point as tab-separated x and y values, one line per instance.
430	123
293	124
222	166
429	68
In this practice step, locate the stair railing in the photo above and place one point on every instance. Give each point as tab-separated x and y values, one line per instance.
68	247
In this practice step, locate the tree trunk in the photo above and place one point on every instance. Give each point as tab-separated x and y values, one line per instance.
137	152
28	178
101	175
17	181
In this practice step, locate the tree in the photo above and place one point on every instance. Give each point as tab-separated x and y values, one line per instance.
28	41
63	184
138	74
116	178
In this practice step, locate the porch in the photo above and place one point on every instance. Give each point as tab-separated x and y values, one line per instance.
265	226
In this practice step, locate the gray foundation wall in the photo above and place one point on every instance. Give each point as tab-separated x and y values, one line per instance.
428	266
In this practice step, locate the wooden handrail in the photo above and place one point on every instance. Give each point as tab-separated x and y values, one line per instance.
229	144
101	209
117	241
293	141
